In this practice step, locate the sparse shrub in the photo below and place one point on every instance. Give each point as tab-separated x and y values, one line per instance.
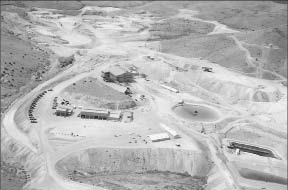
65	61
33	9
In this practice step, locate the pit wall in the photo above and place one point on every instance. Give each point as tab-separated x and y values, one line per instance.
14	152
216	181
131	160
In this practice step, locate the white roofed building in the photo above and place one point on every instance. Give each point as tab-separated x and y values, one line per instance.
115	115
159	137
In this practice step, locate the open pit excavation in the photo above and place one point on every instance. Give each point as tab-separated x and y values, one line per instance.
143	95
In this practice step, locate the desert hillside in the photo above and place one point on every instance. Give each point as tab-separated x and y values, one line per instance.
143	95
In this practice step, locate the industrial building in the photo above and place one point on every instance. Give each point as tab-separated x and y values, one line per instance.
94	114
251	149
159	137
102	114
63	111
117	74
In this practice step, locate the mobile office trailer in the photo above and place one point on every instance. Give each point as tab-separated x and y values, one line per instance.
169	88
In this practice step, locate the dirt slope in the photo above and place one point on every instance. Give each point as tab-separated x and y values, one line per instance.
19	63
260	24
61	5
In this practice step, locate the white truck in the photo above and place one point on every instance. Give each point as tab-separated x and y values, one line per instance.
169	88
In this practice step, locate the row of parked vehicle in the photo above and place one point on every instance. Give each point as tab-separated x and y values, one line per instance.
33	105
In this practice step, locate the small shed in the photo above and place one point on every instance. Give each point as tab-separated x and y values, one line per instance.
115	115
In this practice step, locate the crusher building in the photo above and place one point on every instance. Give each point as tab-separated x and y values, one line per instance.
117	74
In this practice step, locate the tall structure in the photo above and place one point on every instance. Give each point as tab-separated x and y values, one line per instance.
117	74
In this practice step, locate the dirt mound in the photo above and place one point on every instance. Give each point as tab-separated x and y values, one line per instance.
90	92
120	163
266	95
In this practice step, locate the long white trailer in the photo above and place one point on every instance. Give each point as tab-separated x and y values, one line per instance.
172	132
159	137
169	88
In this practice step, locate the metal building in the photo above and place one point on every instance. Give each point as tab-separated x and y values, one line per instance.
94	114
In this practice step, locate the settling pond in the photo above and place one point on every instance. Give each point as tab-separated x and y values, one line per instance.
196	112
